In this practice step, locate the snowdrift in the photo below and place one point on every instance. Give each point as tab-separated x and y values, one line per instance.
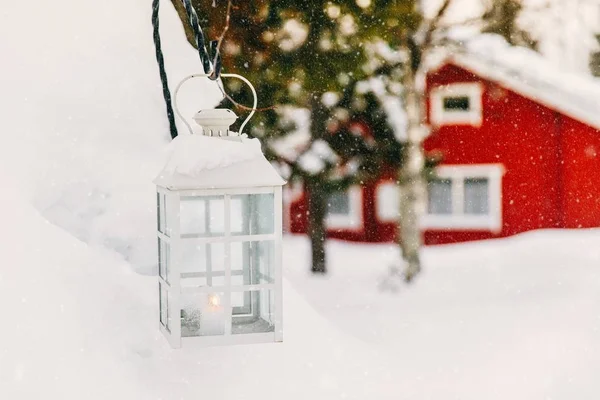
83	118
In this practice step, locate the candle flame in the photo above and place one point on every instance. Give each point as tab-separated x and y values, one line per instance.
214	300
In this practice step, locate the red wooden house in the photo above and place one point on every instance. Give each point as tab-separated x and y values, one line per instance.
520	146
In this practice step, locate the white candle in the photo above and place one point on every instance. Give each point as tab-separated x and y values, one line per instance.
212	316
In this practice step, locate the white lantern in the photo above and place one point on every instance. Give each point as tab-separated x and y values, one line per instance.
219	239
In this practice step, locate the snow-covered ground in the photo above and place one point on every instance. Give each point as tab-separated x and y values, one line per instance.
517	318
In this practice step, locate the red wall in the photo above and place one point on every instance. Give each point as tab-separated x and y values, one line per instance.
516	132
580	174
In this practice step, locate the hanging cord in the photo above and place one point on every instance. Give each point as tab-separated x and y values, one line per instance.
205	58
161	68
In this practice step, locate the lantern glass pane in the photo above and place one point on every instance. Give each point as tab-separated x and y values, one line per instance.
161	205
253	311
163	260
202	264
253	214
164	306
252	263
202	314
202	216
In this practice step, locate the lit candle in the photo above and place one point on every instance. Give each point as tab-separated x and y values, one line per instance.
212	316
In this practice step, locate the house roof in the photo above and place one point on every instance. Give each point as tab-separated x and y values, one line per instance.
529	74
202	162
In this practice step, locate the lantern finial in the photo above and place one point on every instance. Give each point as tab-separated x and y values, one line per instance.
216	122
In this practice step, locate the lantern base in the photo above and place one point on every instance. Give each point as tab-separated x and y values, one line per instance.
223	340
251	338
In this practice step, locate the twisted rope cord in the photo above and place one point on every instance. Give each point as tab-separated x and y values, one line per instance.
200	42
161	69
205	58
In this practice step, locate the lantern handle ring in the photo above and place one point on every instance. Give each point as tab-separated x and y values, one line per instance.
187	78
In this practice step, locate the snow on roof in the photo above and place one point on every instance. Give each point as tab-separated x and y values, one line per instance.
203	162
528	73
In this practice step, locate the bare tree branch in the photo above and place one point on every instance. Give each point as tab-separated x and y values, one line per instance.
433	24
243	107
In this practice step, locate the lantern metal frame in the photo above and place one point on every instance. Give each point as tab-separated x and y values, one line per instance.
172	282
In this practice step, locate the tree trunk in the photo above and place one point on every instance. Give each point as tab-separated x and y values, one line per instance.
412	179
189	33
317	193
317	212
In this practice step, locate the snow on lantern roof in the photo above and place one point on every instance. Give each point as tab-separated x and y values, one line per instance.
202	162
529	74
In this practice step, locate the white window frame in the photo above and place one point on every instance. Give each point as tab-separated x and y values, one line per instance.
458	220
354	219
472	90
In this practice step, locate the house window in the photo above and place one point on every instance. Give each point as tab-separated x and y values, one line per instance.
465	197
457	104
476	196
344	209
339	203
387	201
440	197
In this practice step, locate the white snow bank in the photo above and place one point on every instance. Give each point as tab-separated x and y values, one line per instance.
515	318
84	115
71	316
